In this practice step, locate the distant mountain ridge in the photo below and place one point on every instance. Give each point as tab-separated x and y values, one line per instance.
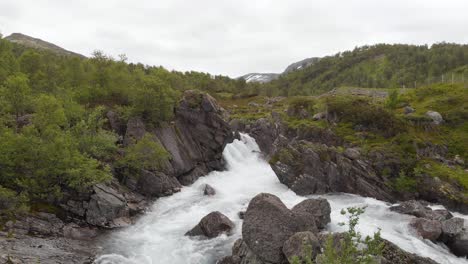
36	43
268	77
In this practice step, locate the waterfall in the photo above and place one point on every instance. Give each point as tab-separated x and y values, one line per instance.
158	237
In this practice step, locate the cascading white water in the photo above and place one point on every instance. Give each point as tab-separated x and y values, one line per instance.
158	237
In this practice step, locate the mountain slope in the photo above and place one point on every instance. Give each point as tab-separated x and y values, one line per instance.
268	77
259	77
36	43
379	66
301	64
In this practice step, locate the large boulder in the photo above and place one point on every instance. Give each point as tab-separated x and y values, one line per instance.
268	223
302	245
460	244
411	207
419	209
107	207
157	184
451	228
427	229
315	210
212	225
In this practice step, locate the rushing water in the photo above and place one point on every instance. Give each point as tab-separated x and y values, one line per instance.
158	237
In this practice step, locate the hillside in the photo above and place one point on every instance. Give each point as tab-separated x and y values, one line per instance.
36	43
380	66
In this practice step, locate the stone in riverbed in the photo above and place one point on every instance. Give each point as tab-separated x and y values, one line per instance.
427	229
317	210
212	225
299	243
208	190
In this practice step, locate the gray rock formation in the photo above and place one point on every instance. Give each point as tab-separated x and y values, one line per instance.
309	168
212	225
318	210
298	244
268	223
427	229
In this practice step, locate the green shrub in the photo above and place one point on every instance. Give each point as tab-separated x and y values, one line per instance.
366	114
353	249
11	203
146	154
405	183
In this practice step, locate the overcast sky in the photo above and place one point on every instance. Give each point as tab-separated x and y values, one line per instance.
233	37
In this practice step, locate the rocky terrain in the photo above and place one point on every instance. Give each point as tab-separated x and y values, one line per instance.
272	233
195	141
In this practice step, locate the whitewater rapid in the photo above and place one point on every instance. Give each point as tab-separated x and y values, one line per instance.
158	237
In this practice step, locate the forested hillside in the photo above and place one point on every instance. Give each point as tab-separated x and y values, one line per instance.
378	66
53	129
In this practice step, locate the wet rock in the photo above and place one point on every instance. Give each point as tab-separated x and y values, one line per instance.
451	228
242	254
299	243
460	245
265	132
435	116
412	207
419	209
212	225
268	223
241	214
316	210
427	229
157	184
208	190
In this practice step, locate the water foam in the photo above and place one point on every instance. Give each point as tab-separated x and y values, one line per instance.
158	237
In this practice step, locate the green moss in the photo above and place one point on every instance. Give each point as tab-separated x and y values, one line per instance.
284	155
443	171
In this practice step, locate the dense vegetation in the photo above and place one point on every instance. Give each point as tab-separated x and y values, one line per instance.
409	145
381	66
53	127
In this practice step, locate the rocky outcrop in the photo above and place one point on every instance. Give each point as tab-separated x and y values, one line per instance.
299	244
309	168
426	228
318	210
436	225
419	209
212	225
268	224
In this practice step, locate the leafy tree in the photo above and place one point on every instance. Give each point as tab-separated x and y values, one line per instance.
17	93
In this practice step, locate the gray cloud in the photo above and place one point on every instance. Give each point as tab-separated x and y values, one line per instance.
233	37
